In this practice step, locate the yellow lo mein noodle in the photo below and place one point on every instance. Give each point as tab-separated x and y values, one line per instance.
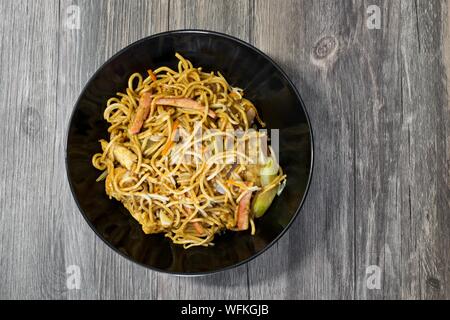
189	201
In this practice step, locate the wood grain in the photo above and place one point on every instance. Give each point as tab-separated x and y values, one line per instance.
379	106
317	254
32	260
116	23
429	171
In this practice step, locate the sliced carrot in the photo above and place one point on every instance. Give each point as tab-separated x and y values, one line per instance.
184	103
169	143
142	113
151	74
235	96
167	148
199	228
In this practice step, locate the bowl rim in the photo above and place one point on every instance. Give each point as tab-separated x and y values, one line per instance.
219	35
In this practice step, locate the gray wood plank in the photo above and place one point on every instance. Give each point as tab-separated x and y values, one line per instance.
379	150
429	151
397	179
401	193
106	27
444	157
31	255
309	39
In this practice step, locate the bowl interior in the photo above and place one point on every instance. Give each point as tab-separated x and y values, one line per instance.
244	67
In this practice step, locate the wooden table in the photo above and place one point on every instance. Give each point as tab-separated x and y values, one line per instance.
379	105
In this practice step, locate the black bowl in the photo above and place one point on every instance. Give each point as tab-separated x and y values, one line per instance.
243	66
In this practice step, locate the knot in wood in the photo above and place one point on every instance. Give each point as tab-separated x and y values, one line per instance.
434	283
31	121
325	47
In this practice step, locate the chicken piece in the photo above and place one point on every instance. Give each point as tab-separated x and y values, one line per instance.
251	114
184	103
124	156
244	211
142	113
199	228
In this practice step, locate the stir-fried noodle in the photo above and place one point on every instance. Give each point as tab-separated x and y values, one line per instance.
183	156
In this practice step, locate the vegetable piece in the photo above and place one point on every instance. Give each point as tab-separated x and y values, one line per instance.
244	211
169	143
262	202
233	167
281	187
142	113
124	156
269	171
219	188
236	184
184	103
263	199
152	75
235	95
165	220
102	176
